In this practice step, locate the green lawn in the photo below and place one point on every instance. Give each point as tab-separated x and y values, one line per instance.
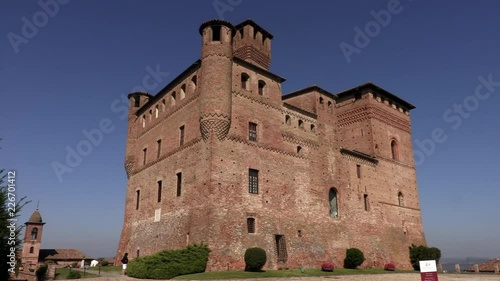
109	268
284	273
62	273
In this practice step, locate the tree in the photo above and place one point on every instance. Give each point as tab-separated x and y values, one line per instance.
10	229
422	253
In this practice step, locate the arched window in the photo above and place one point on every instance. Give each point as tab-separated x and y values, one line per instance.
137	101
193	82
163	105
330	105
32	250
173	98
401	199
245	81
394	150
313	128
301	124
156	111
288	120
299	149
333	201
183	91
321	100
262	87
216	33
143	121
34	233
150	115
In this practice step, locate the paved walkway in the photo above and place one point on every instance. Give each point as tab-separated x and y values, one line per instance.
371	277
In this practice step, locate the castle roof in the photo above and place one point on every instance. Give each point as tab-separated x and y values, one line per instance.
256	28
62	254
347	94
217	22
35	217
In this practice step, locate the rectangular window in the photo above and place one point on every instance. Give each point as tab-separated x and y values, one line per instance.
137	199
157	215
181	135
158	153
253	181
144	153
367	203
358	171
159	191
281	248
179	183
252	131
251	225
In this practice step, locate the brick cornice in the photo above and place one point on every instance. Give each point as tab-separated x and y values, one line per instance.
369	112
269	148
162	118
167	155
396	205
297	140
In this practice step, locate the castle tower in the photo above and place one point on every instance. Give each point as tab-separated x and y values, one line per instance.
216	78
32	240
137	100
252	43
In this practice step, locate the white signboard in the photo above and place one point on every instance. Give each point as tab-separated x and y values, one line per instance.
428	266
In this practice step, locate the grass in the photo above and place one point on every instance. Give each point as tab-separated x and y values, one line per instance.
284	273
108	268
62	274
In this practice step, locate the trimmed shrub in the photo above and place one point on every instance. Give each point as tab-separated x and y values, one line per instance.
422	253
255	259
327	266
353	258
41	272
74	275
170	263
104	263
389	266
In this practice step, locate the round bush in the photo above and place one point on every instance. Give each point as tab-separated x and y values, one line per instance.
353	258
104	263
255	259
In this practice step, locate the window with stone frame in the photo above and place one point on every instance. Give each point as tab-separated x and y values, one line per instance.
252	131
253	181
333	202
251	225
281	252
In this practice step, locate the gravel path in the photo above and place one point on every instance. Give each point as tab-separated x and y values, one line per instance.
372	277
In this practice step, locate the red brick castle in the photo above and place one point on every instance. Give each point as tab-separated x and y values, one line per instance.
221	156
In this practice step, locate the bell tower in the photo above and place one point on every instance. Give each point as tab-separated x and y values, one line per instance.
32	240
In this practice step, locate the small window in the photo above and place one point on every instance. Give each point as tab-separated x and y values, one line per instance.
288	120
321	101
179	184
159	191
144	154
137	101
158	144
330	105
253	181
138	252
181	135
150	115
358	171
251	225
245	81
332	198
32	250
301	124
183	91
252	131
262	87
216	33
299	149
143	121
313	128
367	202
156	111
137	199
34	233
193	82
394	150
401	199
173	98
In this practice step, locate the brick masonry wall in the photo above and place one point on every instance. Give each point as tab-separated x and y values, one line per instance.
294	186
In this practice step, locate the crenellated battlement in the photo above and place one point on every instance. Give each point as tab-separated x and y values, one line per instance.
252	43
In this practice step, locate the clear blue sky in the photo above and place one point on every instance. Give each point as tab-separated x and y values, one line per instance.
68	71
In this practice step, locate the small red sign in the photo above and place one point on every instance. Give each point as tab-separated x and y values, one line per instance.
429	276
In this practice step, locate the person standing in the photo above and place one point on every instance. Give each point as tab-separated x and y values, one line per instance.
124	264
